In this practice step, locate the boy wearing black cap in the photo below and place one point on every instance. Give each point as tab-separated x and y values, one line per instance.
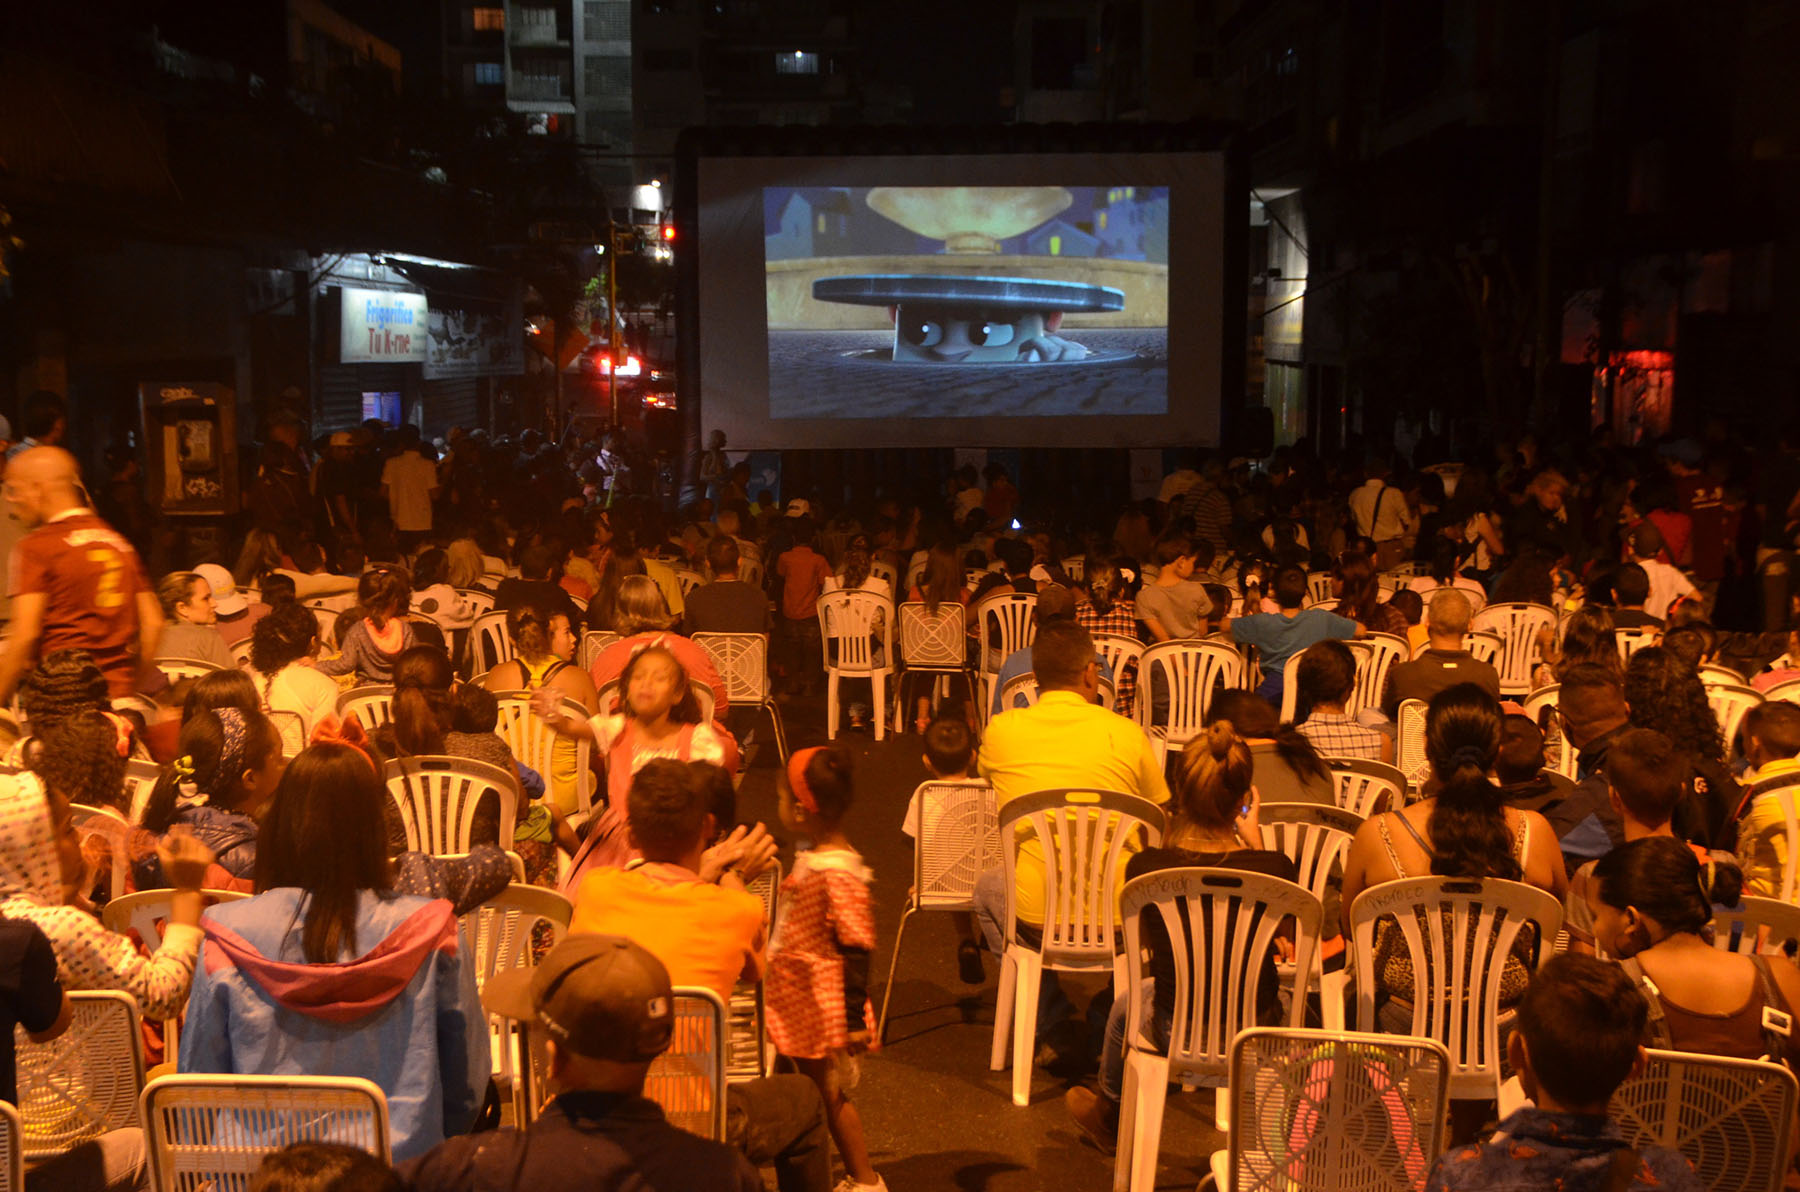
606	1008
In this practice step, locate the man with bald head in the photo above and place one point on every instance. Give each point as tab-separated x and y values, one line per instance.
1445	663
75	581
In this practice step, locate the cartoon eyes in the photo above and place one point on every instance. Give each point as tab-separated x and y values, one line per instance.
922	333
990	334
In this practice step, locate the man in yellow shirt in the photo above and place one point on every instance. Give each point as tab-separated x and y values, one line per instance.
1771	741
1064	740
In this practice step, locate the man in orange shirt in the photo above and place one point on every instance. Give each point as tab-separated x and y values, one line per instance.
76	582
687	905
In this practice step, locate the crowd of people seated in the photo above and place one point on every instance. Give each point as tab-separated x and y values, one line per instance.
1628	804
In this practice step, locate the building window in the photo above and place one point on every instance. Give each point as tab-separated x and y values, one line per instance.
799	62
489	74
489	19
606	20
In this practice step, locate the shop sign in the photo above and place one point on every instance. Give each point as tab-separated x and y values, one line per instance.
382	326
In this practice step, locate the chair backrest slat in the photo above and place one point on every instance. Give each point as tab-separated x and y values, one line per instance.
1221	924
742	660
85	1082
211	1132
1334	1109
437	798
1732	1119
1458	933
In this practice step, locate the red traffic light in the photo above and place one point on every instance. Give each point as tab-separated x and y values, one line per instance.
668	231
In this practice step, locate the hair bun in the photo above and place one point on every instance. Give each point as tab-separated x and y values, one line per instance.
1219	736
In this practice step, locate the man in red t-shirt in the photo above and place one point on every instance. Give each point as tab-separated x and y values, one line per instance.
76	583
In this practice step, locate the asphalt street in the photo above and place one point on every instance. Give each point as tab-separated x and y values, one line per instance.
936	1117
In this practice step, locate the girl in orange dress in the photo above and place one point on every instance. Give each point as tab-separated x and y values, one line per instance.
815	987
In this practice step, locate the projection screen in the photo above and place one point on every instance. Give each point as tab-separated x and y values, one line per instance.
1044	300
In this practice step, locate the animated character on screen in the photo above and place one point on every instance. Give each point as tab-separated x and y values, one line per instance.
967	335
955	319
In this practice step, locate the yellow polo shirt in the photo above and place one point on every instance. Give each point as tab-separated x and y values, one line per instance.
1064	741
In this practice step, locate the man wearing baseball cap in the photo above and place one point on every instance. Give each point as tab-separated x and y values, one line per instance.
237	613
605	1009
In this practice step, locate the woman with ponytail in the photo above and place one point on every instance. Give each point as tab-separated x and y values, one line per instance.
1653	902
225	773
1465	830
1214	826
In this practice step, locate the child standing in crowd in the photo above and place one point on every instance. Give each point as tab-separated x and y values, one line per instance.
658	717
819	960
950	757
803	572
382	634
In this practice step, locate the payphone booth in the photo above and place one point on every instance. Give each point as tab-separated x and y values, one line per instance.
190	458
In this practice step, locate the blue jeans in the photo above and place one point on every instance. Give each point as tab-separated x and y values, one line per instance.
990	917
1112	1046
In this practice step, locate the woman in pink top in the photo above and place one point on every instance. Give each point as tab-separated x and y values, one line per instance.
642	617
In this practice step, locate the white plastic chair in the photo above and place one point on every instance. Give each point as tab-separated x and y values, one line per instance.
1316	839
1375	657
1517	625
240	653
748	1054
292	729
489	642
140	780
935	646
1459	932
1560	755
688	579
1373	1108
881	569
1021	691
851	626
437	797
1082	835
1632	640
1185	673
177	669
1004	624
593	642
1730	703
1484	646
211	1132
1733	1119
478	601
1409	750
85	1081
147	912
12	1149
499	933
1718	672
1319	586
1756	925
534	743
372	705
1784	789
958	841
1290	687
1365	788
742	660
1221	926
1787	692
688	1080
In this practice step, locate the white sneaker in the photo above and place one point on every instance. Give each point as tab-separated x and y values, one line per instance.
849	1184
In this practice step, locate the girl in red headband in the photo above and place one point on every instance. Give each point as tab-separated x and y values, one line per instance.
815	988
